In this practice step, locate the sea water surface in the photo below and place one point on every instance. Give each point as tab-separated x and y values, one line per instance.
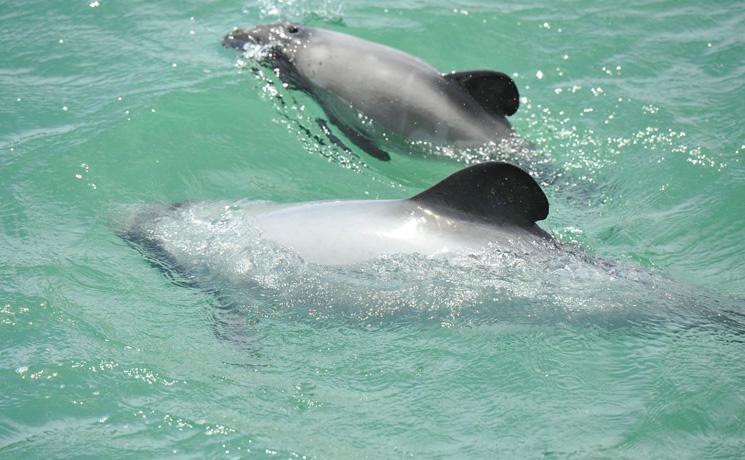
106	105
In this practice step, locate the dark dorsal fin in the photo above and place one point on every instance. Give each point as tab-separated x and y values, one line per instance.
494	91
495	192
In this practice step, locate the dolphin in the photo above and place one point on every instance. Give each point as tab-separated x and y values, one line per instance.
470	240
486	204
383	98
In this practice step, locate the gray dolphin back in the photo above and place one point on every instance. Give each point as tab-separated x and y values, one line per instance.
494	192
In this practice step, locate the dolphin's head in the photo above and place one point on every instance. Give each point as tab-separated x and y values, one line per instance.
282	39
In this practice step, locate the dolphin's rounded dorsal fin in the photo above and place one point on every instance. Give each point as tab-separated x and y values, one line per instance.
495	192
494	91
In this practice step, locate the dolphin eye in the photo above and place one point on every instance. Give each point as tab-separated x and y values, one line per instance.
293	29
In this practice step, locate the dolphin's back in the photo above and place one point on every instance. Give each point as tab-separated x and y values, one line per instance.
346	232
482	205
402	93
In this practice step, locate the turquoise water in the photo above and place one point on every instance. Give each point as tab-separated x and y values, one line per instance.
109	104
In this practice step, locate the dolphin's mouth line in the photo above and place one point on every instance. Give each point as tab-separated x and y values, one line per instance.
239	40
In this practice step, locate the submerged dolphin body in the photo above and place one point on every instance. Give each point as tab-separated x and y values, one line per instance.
469	241
379	96
485	204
